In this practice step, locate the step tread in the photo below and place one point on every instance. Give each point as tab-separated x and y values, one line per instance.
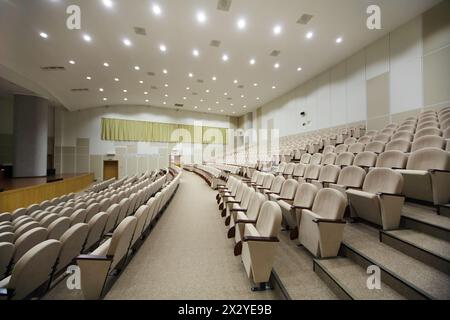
353	278
426	215
424	241
365	239
294	267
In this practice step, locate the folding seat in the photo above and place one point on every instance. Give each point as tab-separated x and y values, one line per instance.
267	183
398	145
432	118
328	149
384	138
7	237
276	186
408	128
123	204
428	124
141	216
446	135
6	253
341	149
242	204
392	159
305	159
299	171
329	158
365	140
445	124
344	159
287	173
104	205
241	216
287	191
90	202
427	176
350	141
48	219
92	210
279	170
44	204
427	132
321	228
402	135
57	228
428	142
356	148
25	228
350	177
96	226
32	271
66	212
316	158
18	213
371	133
80	205
79	216
312	172
413	119
260	242
33	207
380	200
237	198
375	146
6	228
27	241
5	216
365	160
388	131
328	174
72	242
96	266
227	193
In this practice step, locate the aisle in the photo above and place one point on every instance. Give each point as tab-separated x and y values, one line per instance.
187	255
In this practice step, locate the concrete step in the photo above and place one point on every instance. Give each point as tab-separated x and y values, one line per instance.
426	220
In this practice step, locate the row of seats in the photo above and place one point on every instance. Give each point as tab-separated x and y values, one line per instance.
74	232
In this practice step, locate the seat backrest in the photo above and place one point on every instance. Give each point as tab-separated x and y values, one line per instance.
329	204
375	146
388	131
399	145
383	180
356	148
288	189
329	158
341	148
123	205
104	204
329	173
299	170
428	142
352	176
316	158
5	216
384	138
268	180
445	124
305	195
305	159
7	237
34	268
121	239
254	206
248	191
427	124
350	141
79	216
18	213
402	135
113	213
66	212
446	134
345	159
141	216
6	253
365	139
27	241
428	132
312	171
392	159
429	158
261	176
407	128
58	227
269	220
277	184
365	159
96	227
26	227
91	210
289	169
72	242
48	219
328	149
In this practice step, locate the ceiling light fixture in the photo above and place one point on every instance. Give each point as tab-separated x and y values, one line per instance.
106	64
137	68
104	99
156	9
299	69
146	100
43	35
255	84
252	61
201	17
116	79
141	82
235	81
88	78
164	71
166	85
190	75
125	90
309	35
126	42
339	40
276	65
209	109
71	62
214	78
163	48
225	57
87	38
125	99
146	92
101	90
195	53
277	29
108	3
241	23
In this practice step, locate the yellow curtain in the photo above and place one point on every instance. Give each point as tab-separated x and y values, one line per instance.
146	131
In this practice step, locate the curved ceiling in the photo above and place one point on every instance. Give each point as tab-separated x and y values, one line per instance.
201	81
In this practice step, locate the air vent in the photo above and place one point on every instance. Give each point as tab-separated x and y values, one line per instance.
241	86
200	81
275	53
224	5
304	19
79	89
179	105
215	43
53	68
154	87
151	74
140	31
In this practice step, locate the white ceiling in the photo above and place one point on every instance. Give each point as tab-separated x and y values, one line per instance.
24	52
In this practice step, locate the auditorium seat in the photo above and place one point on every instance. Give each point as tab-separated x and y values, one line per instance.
312	172
427	176
402	135
32	207
6	253
383	138
299	171
276	186
427	132
341	149
25	228
375	146
5	216
392	159
305	159
66	212
321	228
6	228
428	142
287	192
7	237
27	241
350	141
96	266
328	149
407	128
287	173
141	216
268	180
260	242
365	160
31	271
72	242
344	159
113	213
316	158
365	140
242	205
79	216
124	205
350	177
96	226
18	213
380	201
92	210
399	145
240	217
356	148
57	228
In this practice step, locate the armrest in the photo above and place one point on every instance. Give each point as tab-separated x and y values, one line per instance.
238	210
94	258
389	194
329	221
233	201
245	221
350	187
228	196
272	192
438	170
261	188
109	235
286	199
299	207
260	239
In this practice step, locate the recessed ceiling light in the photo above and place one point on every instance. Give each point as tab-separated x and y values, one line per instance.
252	61
339	40
242	96
43	35
141	82
225	57
195	52
106	64
217	102
195	107
187	88
146	100
116	79
241	23
104	99
184	98
190	75
276	65
87	38
71	62
234	112
273	87
165	71
166	95
309	35
125	90
235	81
163	48
207	90
137	68
156	9
255	84
221	110
88	78
166	85
214	78
126	42
209	109
201	100
201	17
225	94
277	29
299	69
164	102
244	107
257	98
101	89
125	99
108	3
146	92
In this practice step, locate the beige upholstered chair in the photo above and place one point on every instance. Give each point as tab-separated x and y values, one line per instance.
321	229
399	145
305	159
239	206
113	213
96	227
345	159
287	173
380	200
392	159
329	158
375	146
365	160
276	187
287	191
328	174
356	148
312	172
48	219
384	138
350	177
328	149
5	216
141	216
365	140
427	176
32	271
79	216
72	243
7	237
299	171
57	228
260	242
428	132
91	211
402	135
267	183
6	253
428	142
316	158
350	141
341	149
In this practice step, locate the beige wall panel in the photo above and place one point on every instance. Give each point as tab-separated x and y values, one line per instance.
96	166
378	123
436	70
401	116
436	27
377	58
378	96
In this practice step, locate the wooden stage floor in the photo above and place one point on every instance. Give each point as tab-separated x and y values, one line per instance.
19	183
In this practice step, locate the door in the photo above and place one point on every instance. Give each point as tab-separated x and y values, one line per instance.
110	169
